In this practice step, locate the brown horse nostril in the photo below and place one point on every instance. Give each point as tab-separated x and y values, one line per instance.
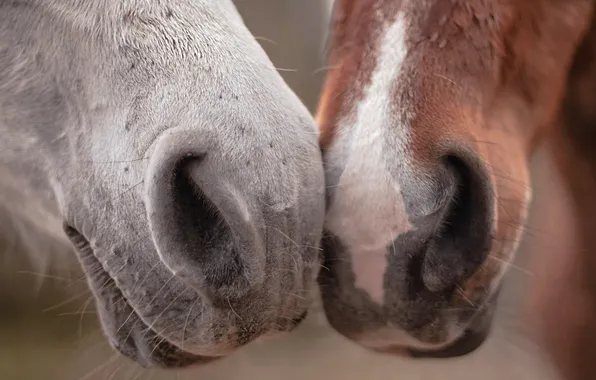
461	239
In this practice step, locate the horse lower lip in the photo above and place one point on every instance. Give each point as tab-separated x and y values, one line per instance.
476	334
468	343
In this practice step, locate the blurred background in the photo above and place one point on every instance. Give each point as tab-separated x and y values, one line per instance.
48	327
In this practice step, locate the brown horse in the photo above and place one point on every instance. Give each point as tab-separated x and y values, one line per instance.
429	116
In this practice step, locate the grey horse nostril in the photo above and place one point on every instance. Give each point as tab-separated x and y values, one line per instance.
202	224
204	231
461	237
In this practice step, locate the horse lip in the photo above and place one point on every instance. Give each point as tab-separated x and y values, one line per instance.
474	336
161	353
469	342
132	337
147	347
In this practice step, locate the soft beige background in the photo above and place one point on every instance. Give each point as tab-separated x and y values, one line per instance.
47	323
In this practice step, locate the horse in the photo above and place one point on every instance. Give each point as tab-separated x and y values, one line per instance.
158	140
429	115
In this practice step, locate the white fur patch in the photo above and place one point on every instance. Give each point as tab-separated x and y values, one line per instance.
367	211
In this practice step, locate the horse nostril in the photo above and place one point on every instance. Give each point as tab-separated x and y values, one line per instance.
203	230
462	239
203	226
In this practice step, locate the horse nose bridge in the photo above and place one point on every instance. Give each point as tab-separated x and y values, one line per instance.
205	225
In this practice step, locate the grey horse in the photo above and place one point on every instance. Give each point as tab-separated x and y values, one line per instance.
157	138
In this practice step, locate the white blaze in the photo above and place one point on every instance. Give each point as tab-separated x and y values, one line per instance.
367	212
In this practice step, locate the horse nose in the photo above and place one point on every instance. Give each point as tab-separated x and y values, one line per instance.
206	226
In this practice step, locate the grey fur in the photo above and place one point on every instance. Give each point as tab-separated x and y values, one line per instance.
99	102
